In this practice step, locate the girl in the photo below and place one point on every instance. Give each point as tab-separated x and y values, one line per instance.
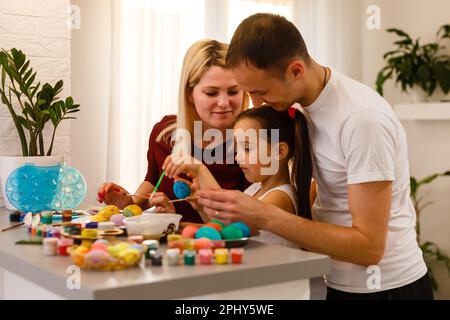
208	94
275	188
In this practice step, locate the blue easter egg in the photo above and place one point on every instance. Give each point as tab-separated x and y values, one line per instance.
243	227
208	232
181	189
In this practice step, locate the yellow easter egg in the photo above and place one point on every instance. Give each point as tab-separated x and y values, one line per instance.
130	256
132	210
108	211
100	217
113	251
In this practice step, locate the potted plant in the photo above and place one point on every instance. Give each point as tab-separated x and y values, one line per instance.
415	65
32	106
431	250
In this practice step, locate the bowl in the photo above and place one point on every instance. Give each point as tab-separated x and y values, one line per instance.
151	226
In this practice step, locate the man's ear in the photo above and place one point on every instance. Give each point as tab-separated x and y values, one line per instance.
296	69
283	150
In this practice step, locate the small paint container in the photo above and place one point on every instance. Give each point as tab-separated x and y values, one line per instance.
106	226
15	216
56	232
189	257
236	255
205	256
221	256
149	254
39	231
156	259
173	256
136	239
91	225
63	245
73	229
66	215
30	228
44	231
46	217
151	244
33	231
50	246
89	233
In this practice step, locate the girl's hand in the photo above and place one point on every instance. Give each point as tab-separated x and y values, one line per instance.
232	205
161	201
113	194
174	165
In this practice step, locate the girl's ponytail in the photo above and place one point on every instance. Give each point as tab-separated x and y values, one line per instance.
302	164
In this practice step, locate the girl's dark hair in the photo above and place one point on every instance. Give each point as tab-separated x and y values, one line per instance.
294	132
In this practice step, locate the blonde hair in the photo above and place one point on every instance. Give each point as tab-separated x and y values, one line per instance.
202	55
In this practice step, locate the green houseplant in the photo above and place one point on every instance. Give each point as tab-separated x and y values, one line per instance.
414	64
431	250
32	106
38	105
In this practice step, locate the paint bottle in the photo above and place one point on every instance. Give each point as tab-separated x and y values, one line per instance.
46	217
237	255
66	215
63	245
50	246
221	256
189	257
205	256
173	256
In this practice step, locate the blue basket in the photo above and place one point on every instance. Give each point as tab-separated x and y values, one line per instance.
32	188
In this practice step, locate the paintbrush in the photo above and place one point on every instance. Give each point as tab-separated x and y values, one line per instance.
14	226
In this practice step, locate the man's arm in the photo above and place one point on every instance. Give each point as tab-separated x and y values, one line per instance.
363	243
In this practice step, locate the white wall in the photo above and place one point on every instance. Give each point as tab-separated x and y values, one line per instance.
93	93
41	30
428	141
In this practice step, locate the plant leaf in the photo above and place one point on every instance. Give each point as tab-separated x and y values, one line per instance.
398	32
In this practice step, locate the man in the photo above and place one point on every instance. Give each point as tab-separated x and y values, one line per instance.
363	216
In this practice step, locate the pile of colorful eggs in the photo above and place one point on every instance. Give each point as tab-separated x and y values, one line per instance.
104	255
216	230
112	213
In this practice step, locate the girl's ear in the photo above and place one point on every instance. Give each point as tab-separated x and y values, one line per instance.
283	150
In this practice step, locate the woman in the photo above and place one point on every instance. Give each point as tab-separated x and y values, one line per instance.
210	96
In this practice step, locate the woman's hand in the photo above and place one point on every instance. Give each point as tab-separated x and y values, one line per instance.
113	194
161	201
232	205
174	165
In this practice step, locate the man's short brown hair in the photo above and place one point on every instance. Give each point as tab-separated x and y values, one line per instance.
267	41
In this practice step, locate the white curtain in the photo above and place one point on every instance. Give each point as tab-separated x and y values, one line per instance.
149	40
332	30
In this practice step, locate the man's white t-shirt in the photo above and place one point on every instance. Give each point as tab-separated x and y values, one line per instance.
357	138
